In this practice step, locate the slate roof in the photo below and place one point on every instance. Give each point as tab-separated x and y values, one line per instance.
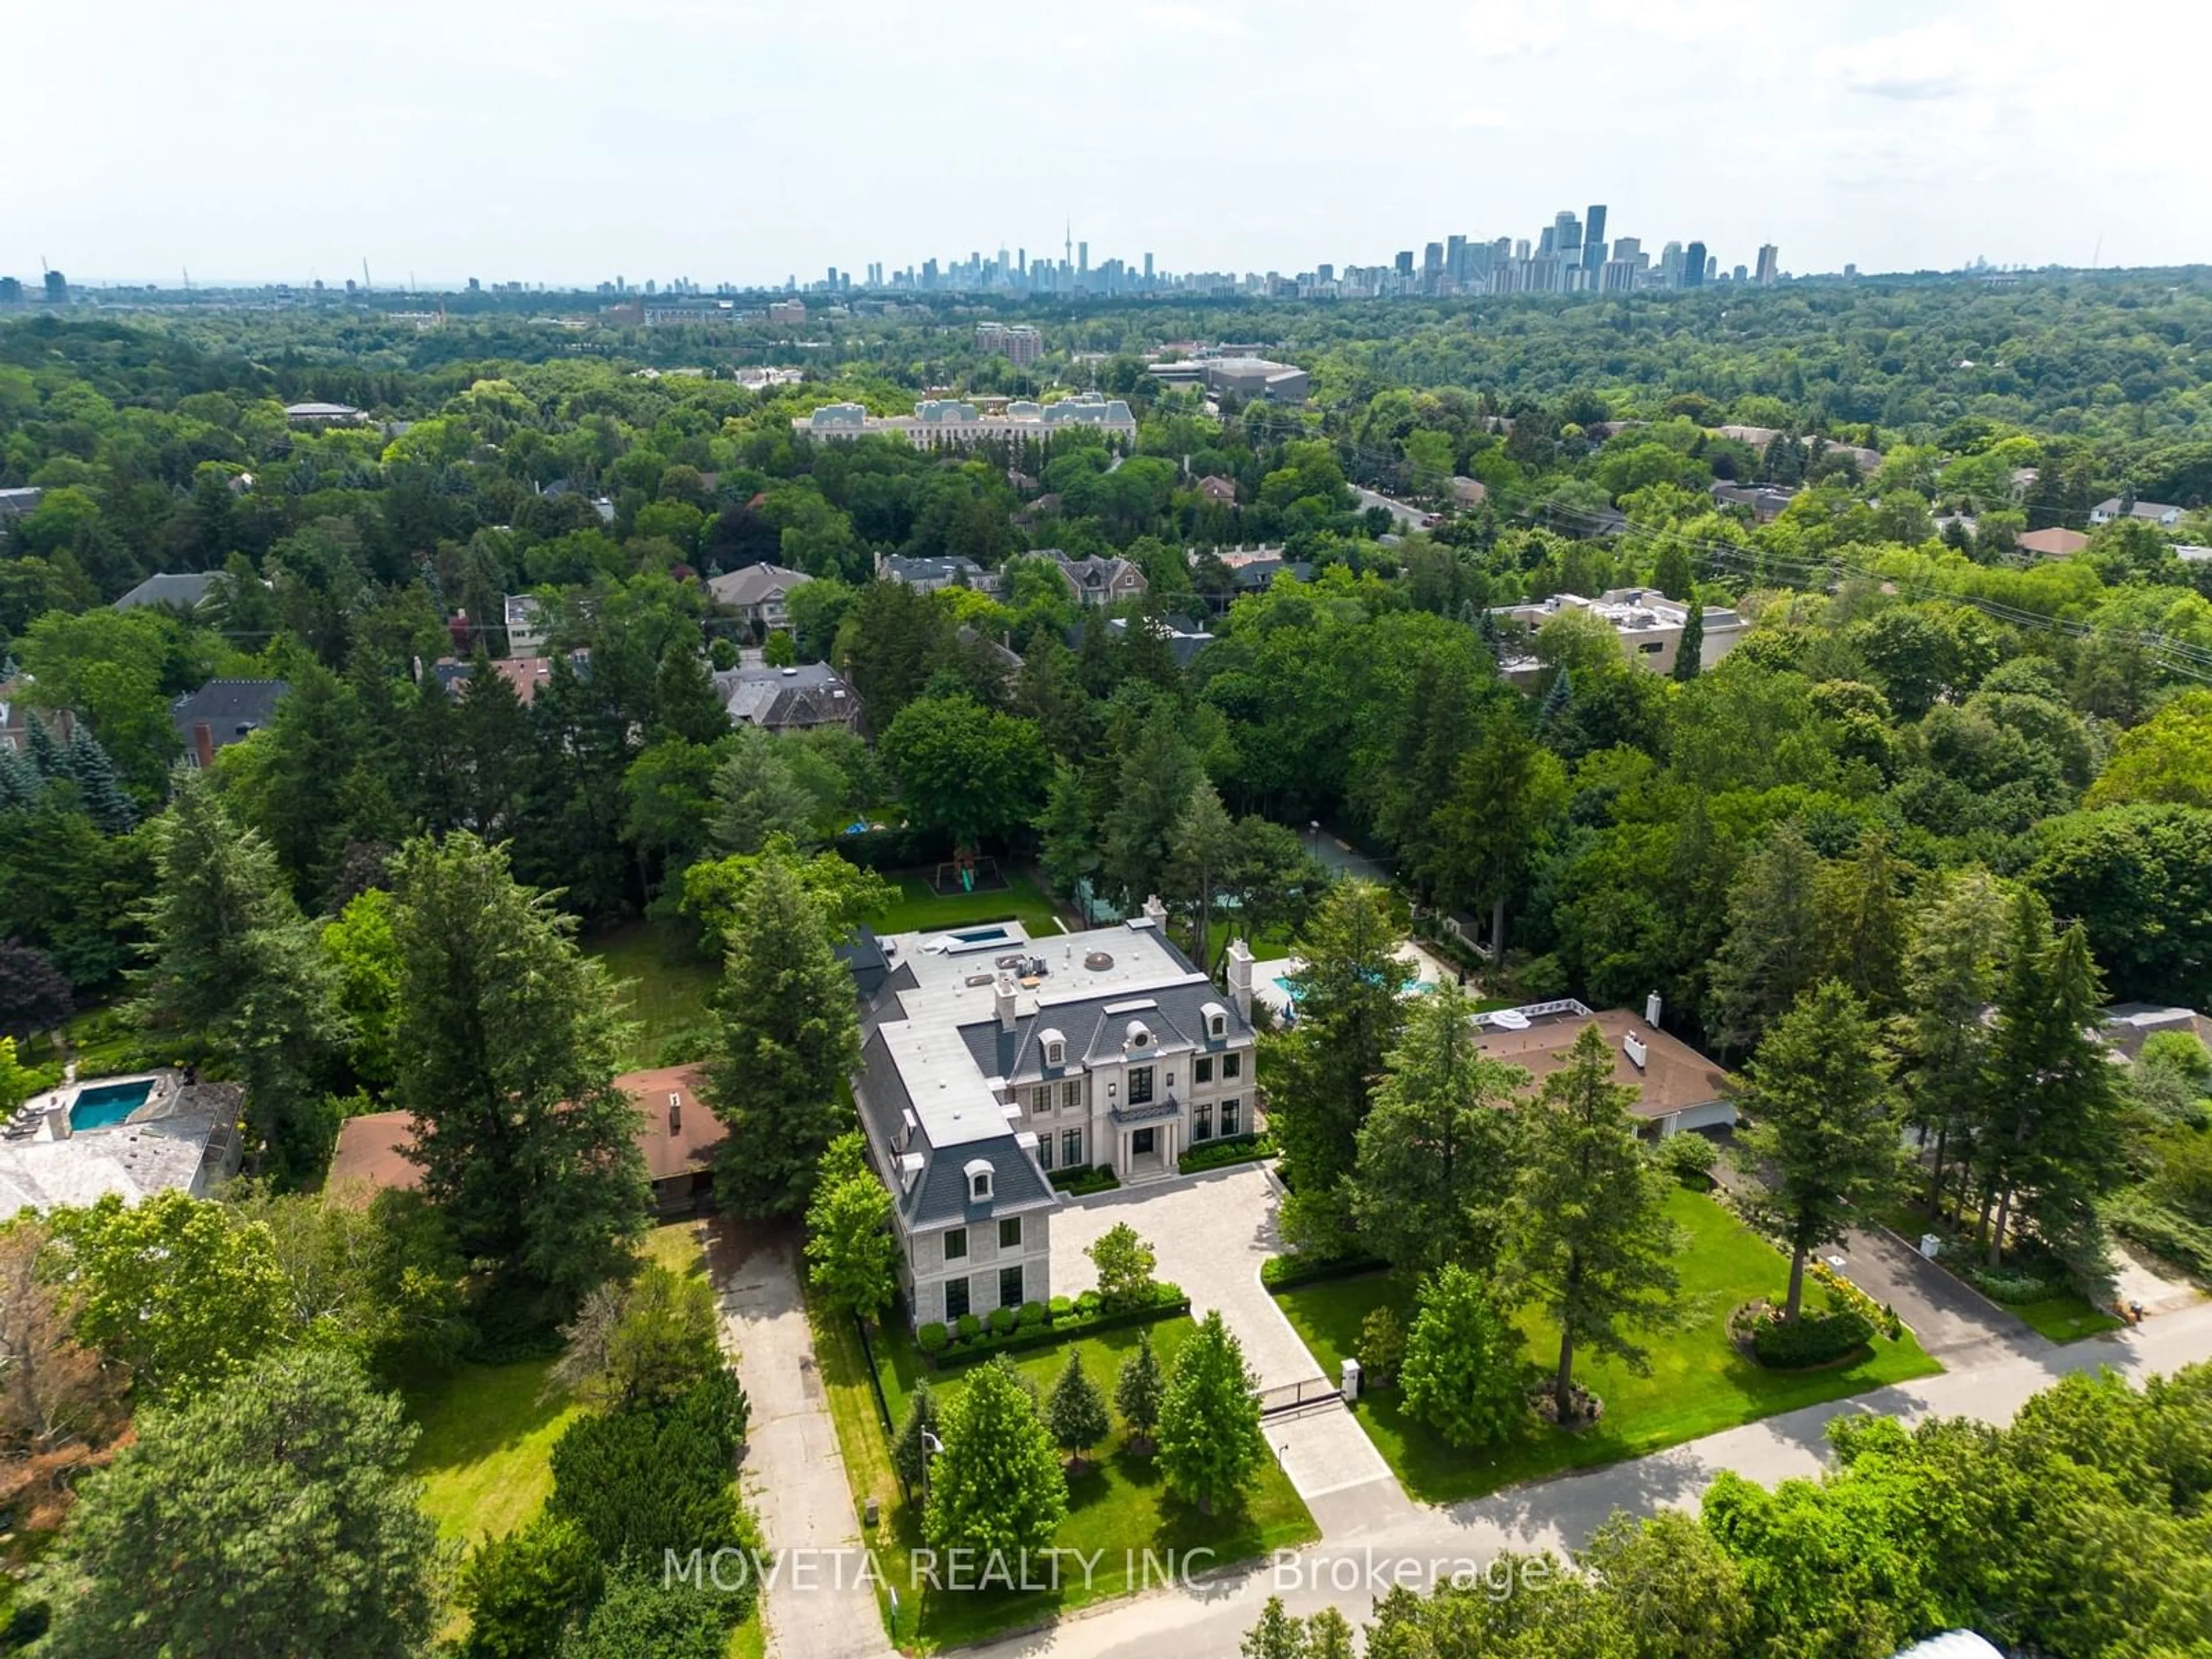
1093	1028
182	588
864	958
938	1195
231	708
175	1142
954	567
778	699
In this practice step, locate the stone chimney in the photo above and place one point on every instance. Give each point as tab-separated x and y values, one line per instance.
1156	913
204	744
1240	977
1002	994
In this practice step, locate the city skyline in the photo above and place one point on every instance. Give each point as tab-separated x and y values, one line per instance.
745	143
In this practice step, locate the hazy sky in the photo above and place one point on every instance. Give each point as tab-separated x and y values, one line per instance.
564	141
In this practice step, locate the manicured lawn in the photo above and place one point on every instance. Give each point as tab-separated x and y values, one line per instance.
668	985
1119	1507
1698	1383
488	1435
919	906
2066	1318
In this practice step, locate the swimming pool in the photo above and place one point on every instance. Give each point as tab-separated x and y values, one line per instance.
101	1105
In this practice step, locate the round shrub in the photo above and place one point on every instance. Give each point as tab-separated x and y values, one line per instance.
1061	1307
1002	1321
1688	1157
1811	1339
969	1327
1086	1305
1032	1313
932	1338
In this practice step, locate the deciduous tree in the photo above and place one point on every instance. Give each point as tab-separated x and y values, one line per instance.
1209	1444
1461	1374
997	1486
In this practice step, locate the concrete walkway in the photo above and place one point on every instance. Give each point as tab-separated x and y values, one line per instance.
820	1606
1210	1617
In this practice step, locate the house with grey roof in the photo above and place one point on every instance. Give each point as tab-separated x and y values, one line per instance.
1097	582
181	590
927	575
18	500
758	593
794	699
990	1060
2161	513
222	713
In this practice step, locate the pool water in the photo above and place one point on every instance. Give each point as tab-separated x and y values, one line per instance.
103	1105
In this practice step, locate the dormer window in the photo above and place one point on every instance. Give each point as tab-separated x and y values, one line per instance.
978	1171
1056	1048
1215	1026
1217	1020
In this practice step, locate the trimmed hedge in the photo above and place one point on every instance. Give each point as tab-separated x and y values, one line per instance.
1809	1340
1282	1272
1081	1183
1221	1154
2016	1289
1086	1317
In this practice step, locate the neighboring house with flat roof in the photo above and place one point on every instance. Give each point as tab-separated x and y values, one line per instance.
182	590
315	414
927	575
794	699
522	617
990	1060
758	593
677	1133
222	713
1648	624
71	1146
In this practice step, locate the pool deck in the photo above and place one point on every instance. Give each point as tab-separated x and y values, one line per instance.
1428	972
53	1114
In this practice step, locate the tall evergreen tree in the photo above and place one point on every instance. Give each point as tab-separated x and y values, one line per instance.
1939	1038
1349	1013
1201	845
1434	1167
1076	1414
506	1037
758	795
788	1039
19	782
1211	1447
1590	1239
1139	1392
1156	776
1690	650
1506	794
2050	1143
1772	950
100	785
1822	1144
1861	920
236	972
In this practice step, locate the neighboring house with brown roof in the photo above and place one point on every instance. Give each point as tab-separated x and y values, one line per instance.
677	1133
1469	492
1215	487
1677	1087
2056	543
2129	1025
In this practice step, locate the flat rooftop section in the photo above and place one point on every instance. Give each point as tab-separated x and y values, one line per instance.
175	1141
947	978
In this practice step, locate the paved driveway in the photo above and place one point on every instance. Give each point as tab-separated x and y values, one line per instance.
1212	1232
820	1606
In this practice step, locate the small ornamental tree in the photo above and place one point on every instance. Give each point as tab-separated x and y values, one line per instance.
997	1486
1138	1393
35	995
1125	1264
910	1451
1461	1371
520	1591
1076	1414
1210	1446
1382	1347
852	1258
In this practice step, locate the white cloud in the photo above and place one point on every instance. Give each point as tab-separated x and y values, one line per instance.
1510	28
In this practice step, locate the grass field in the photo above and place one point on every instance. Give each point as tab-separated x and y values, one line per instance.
1698	1383
1119	1506
668	985
921	906
2066	1318
486	1455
